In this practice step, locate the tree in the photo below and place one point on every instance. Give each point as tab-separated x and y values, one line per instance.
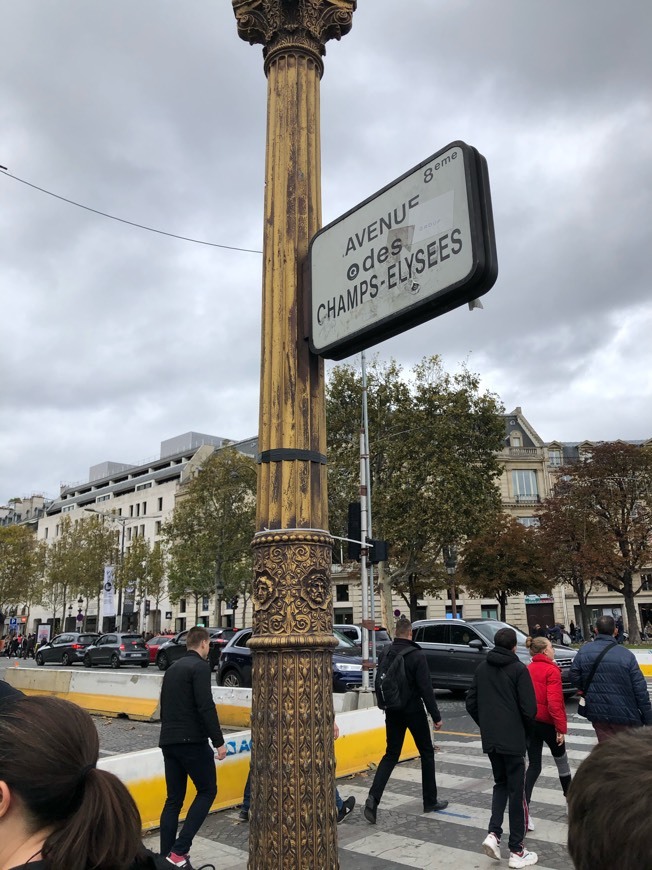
503	560
74	562
19	564
434	439
573	547
613	487
209	536
156	579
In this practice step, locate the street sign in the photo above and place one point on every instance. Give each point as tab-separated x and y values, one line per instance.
420	247
13	624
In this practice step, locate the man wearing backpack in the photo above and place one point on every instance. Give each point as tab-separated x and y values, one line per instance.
502	702
403	686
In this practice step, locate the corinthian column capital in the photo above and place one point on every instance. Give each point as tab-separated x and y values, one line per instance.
304	25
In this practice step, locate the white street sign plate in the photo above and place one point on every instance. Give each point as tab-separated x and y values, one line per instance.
422	246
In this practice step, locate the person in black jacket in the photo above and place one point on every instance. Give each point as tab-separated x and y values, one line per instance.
413	717
502	702
188	720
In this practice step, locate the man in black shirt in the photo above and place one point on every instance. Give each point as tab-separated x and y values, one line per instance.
188	720
413	717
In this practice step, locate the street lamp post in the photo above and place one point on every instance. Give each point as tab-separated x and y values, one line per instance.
450	560
219	595
293	817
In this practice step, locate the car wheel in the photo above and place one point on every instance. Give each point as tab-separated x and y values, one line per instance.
144	664
231	679
65	660
87	661
162	662
39	660
115	661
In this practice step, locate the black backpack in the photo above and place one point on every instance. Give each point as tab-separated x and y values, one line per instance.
391	684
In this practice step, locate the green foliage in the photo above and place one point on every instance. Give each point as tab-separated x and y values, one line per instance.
19	566
434	439
613	489
209	537
503	560
74	562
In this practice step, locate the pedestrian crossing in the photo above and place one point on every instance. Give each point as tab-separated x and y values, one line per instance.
405	836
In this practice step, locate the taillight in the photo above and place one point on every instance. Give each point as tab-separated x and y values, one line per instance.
78	646
122	647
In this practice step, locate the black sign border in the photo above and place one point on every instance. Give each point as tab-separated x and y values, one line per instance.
480	279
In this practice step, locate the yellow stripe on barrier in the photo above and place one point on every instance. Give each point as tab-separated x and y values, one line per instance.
234	716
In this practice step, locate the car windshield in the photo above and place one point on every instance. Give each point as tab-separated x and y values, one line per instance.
343	642
489	628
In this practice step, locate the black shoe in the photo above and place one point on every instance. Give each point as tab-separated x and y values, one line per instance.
243	815
370	809
440	805
346	808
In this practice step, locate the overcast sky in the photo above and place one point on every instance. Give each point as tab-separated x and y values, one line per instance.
113	339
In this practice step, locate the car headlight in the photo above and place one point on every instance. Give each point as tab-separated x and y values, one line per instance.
348	669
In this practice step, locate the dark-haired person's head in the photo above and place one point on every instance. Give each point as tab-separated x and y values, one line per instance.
606	625
54	803
610	804
403	628
505	638
198	640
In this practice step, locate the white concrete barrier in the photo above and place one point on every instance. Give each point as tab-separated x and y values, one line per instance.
361	744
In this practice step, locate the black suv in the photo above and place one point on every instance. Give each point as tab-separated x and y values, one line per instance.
235	666
455	647
65	649
176	647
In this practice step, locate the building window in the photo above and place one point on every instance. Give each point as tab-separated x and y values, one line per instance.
157	527
554	456
160	504
421	611
131	510
103	497
142	531
182	605
524	484
138	509
528	521
204	602
342	592
66	509
449	611
46	532
144	508
140	486
129	532
489	611
515	439
646	582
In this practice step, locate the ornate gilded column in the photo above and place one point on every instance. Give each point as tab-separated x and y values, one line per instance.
293	821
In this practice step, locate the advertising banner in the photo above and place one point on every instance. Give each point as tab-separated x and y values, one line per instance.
108	597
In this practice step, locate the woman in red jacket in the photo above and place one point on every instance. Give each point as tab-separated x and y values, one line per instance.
550	725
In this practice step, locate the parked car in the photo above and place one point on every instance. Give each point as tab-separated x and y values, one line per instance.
153	645
354	633
65	649
235	663
455	647
176	647
117	649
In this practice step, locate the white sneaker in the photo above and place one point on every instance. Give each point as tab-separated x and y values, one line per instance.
530	823
491	846
523	859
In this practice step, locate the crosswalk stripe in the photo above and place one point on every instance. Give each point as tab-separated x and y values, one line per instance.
410	852
483	761
475	817
553	797
576	754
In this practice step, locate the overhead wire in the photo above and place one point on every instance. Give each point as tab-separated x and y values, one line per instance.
125	221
